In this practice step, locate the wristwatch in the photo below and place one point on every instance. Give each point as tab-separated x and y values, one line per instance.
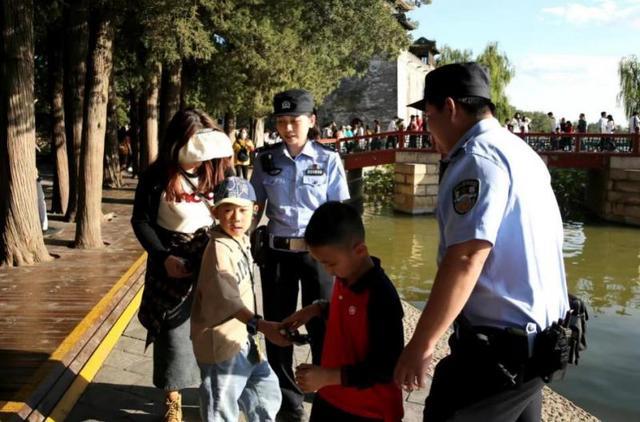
252	324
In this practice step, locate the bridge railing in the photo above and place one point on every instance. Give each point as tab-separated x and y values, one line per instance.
382	141
603	143
607	143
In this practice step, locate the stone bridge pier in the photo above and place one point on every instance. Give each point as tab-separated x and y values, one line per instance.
416	182
614	192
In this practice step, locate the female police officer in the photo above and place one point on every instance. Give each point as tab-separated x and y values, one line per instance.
294	178
501	273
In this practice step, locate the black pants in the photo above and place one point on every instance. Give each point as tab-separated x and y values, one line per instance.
242	171
466	388
323	411
281	276
391	142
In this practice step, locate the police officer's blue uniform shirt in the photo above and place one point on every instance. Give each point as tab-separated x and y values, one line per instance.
496	188
303	183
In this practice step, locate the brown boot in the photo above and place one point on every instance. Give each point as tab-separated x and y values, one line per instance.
173	409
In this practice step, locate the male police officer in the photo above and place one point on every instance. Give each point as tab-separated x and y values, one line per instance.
294	178
501	273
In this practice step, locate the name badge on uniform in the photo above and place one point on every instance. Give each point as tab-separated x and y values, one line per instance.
465	195
314	170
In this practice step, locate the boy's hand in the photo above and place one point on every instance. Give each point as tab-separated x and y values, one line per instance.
311	378
271	331
301	317
176	267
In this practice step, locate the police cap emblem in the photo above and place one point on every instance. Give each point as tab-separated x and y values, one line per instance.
293	102
465	195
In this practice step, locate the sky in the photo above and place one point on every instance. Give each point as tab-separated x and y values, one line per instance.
565	53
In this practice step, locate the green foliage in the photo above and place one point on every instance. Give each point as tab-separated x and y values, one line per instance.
378	185
267	46
500	70
450	55
569	185
239	52
173	30
539	120
629	73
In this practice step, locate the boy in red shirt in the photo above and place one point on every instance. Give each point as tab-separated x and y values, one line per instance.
364	335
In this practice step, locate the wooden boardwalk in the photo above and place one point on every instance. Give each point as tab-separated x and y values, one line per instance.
53	314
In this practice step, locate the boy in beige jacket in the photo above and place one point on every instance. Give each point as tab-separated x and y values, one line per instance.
224	323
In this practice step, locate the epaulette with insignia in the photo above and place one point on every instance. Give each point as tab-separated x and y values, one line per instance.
270	147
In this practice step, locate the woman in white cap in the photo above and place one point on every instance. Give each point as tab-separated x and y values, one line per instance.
170	217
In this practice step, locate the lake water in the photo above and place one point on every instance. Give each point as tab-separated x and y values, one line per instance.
603	266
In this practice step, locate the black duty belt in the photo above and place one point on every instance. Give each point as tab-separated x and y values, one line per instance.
292	244
511	343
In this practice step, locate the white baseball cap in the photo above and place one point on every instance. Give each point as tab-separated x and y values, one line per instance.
205	145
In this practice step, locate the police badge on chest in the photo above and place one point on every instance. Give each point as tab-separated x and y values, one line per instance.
465	195
314	170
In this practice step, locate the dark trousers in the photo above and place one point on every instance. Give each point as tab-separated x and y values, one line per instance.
391	142
242	171
323	411
281	276
467	388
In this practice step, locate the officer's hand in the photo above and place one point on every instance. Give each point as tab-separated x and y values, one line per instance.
301	317
412	366
311	378
176	267
271	331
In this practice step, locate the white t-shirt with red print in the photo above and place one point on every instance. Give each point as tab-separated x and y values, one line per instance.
187	214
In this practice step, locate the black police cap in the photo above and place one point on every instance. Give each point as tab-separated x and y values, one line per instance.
293	102
456	80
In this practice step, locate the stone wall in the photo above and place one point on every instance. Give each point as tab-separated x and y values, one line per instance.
622	199
382	93
411	73
370	97
416	182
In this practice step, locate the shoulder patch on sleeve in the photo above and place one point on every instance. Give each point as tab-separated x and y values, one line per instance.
465	195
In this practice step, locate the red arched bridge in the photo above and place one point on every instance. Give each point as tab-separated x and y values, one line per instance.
560	150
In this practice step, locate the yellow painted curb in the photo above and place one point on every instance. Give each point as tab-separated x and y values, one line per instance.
72	338
93	365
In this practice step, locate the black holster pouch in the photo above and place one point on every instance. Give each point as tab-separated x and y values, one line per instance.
562	342
577	322
260	245
551	351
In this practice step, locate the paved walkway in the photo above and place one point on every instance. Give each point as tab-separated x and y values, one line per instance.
122	389
42	305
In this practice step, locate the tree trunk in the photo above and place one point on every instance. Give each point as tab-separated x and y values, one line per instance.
89	219
150	115
77	44
134	129
189	74
60	199
258	131
112	174
230	125
21	239
170	100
